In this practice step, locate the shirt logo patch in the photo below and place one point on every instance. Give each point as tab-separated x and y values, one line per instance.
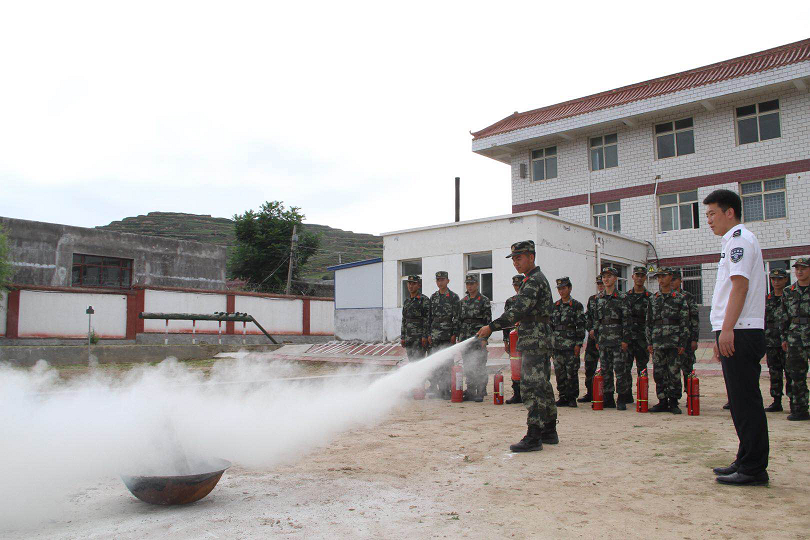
738	232
736	254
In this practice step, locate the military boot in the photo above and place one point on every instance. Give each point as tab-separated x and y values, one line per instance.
587	398
480	392
776	406
531	442
516	393
609	402
673	406
792	407
548	433
620	405
727	406
628	398
572	402
661	406
799	415
561	402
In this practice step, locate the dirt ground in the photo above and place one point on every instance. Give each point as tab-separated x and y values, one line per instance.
440	469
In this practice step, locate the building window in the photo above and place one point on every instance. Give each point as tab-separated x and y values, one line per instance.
411	267
97	271
758	122
774	265
763	200
675	138
555	212
607	216
621	281
679	211
481	264
692	281
544	163
604	152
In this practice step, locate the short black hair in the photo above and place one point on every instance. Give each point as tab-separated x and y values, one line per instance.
725	199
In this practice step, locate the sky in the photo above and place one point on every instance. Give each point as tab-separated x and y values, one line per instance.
359	113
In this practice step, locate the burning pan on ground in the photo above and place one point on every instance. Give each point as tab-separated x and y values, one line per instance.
168	490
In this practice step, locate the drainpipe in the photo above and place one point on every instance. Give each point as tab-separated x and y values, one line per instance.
598	251
655	218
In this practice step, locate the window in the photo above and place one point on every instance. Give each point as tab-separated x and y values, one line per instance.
544	163
674	138
555	212
604	152
758	122
692	281
773	265
412	267
763	200
606	216
481	264
97	271
621	281
679	211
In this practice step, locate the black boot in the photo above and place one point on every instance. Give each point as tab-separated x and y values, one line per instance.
792	407
628	398
587	398
673	406
572	401
776	406
561	402
531	442
799	415
548	434
480	392
661	406
620	405
727	406
516	393
609	402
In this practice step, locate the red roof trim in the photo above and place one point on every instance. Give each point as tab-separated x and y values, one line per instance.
721	71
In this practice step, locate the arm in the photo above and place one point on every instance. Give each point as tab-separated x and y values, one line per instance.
402	326
626	324
736	301
649	325
686	329
694	321
522	304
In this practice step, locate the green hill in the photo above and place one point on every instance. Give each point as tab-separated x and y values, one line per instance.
336	245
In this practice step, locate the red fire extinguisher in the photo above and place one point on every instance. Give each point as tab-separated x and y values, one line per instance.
514	355
693	395
456	384
642	391
497	395
598	395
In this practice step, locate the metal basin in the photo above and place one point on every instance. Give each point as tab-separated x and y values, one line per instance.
168	490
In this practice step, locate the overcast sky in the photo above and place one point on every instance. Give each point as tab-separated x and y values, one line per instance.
359	113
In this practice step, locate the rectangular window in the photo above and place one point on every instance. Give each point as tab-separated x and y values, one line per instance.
758	122
693	281
604	152
98	271
774	265
481	265
674	138
679	211
544	163
410	267
555	212
607	216
764	200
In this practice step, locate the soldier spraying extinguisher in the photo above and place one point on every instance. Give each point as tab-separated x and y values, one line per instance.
510	339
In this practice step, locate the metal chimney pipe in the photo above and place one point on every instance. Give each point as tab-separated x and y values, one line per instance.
458	199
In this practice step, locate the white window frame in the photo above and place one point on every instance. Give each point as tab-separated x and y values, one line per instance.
544	156
757	115
481	272
403	278
674	131
608	215
693	273
761	194
694	210
622	281
603	146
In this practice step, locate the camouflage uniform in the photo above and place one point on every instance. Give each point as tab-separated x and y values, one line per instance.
688	357
795	322
773	343
474	313
612	328
568	327
591	352
532	308
517	280
637	346
667	331
415	320
444	312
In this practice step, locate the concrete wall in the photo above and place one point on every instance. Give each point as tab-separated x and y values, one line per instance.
359	324
3	312
321	317
59	314
42	254
359	286
283	316
183	302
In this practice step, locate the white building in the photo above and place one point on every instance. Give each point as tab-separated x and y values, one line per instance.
640	159
358	300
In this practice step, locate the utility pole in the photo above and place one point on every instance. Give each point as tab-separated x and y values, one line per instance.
292	258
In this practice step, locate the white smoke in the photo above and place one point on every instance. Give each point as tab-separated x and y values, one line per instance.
60	436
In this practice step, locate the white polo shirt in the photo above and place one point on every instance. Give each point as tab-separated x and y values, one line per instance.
740	256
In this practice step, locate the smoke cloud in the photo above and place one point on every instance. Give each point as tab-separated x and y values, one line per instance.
58	437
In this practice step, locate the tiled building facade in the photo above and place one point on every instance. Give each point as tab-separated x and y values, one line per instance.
639	160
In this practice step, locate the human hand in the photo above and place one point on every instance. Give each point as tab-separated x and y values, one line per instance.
430	341
784	346
452	340
726	343
577	348
649	349
424	342
401	342
624	347
694	345
484	332
681	350
590	333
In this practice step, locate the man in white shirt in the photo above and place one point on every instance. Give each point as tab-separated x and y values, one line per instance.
738	319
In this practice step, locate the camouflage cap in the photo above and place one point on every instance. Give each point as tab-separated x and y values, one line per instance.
471	278
640	270
779	273
599	279
676	273
802	261
563	282
441	274
414	279
524	246
664	270
517	280
610	270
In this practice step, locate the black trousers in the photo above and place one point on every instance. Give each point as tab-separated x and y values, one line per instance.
741	372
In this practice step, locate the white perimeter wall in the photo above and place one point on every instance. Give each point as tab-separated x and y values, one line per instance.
359	286
322	317
183	302
274	314
52	314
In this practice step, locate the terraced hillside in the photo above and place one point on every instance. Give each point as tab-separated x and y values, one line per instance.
336	244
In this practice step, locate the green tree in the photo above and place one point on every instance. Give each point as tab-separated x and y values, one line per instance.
5	263
262	249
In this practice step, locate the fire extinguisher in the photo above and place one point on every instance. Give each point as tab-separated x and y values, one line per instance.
497	396
693	395
456	384
598	395
514	355
642	391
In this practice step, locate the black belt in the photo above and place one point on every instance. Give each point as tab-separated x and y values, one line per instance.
800	320
560	327
641	320
611	321
442	320
537	318
662	322
416	318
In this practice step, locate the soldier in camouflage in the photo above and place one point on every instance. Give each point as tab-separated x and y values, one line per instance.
568	327
795	319
517	280
591	352
612	329
688	358
773	341
532	309
638	298
668	336
415	320
444	312
474	312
